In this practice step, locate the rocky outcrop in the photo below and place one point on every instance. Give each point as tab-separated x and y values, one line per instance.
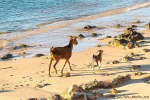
86	91
39	55
128	40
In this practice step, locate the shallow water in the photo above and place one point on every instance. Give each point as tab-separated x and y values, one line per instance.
19	15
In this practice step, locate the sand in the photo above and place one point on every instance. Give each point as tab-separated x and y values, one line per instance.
28	78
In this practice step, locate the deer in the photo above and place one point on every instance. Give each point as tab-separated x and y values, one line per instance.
97	58
58	53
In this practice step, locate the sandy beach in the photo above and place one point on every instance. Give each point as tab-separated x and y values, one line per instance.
25	78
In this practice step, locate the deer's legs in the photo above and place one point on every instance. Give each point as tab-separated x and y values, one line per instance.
50	67
55	66
99	64
69	65
63	67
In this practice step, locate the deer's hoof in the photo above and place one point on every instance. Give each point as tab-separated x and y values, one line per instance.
49	75
71	70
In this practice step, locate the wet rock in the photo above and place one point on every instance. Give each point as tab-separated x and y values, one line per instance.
88	27
80	36
99	45
20	46
118	26
137	22
134	26
94	35
7	56
39	55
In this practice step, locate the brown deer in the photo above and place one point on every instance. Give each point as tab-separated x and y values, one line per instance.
97	58
65	52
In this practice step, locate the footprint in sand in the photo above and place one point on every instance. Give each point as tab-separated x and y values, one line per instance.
11	75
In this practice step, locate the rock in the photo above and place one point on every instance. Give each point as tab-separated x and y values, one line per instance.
135	67
32	99
88	27
55	97
113	62
39	55
131	44
144	50
138	21
147	25
80	36
99	45
93	95
114	91
124	60
134	26
93	35
117	81
74	93
146	78
137	74
67	74
117	43
107	37
20	46
7	56
118	26
130	54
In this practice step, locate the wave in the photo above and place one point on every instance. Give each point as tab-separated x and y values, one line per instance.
137	6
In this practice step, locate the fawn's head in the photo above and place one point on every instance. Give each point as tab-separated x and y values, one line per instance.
74	40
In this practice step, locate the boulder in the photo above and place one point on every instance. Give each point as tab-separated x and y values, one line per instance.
127	40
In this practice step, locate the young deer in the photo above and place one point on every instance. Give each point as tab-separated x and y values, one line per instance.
65	52
97	58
